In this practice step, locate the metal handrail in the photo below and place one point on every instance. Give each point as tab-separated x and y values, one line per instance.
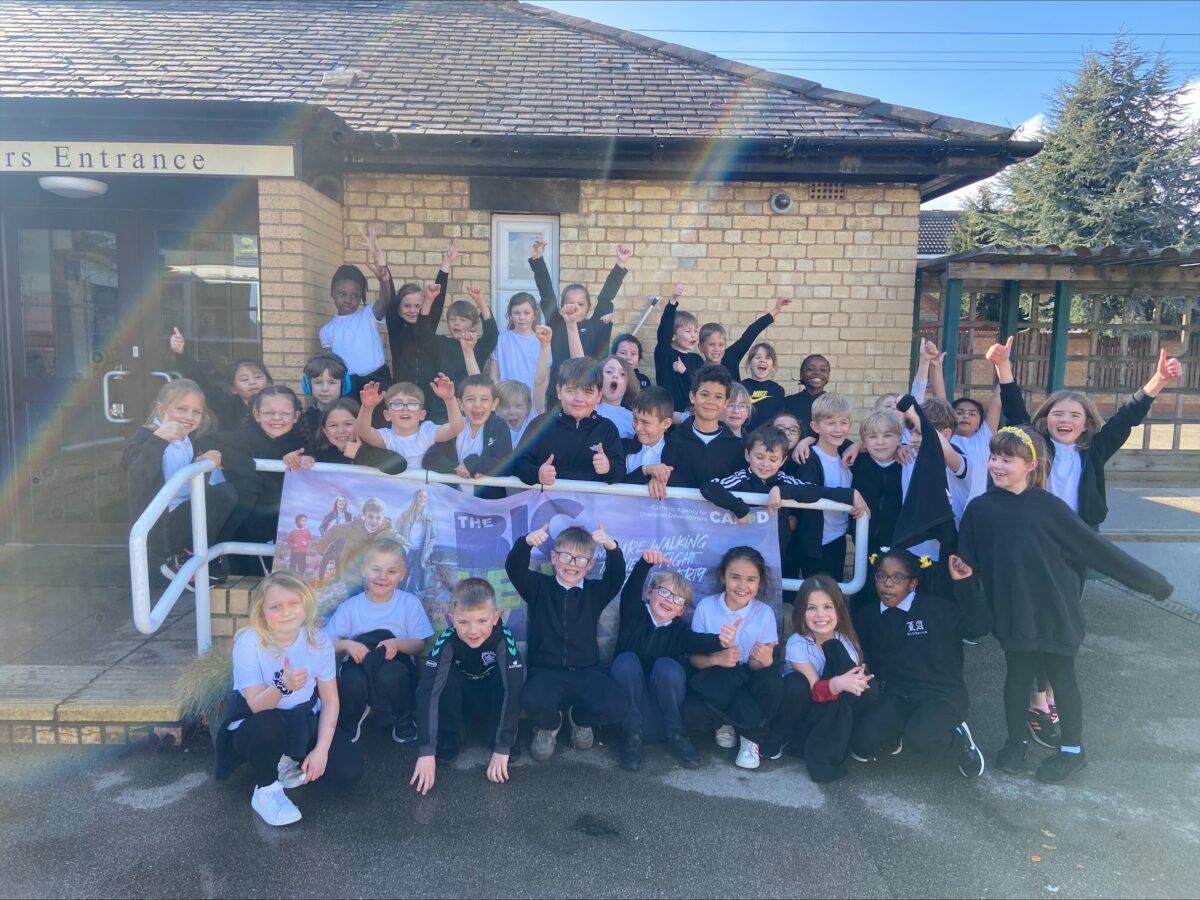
148	617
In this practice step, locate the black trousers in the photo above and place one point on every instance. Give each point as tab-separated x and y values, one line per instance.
262	738
926	726
742	697
471	704
821	731
596	698
387	685
383	377
220	500
1060	670
830	561
655	698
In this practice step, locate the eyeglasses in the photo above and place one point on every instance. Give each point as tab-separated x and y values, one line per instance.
275	416
404	405
570	559
666	593
789	430
738	407
898	579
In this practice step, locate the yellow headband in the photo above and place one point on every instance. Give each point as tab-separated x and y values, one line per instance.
1024	438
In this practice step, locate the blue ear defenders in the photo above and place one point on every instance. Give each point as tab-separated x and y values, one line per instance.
347	387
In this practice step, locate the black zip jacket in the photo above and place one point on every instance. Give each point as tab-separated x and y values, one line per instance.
696	463
451	654
142	458
919	653
810	523
572	443
678	383
496	460
1032	554
260	491
1093	499
594	335
736	352
562	624
719	491
448	360
882	489
768	399
412	354
637	633
376	457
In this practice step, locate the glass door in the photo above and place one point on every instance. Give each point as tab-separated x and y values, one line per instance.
78	381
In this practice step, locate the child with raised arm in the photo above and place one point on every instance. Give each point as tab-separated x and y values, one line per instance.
517	347
484	448
675	354
1031	554
653	642
412	355
465	350
913	638
410	435
281	716
229	406
338	442
766	394
717	352
378	633
564	654
575	332
353	333
574	441
819	543
740	683
473	679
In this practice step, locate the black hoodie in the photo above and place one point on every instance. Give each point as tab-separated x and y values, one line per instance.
573	445
697	463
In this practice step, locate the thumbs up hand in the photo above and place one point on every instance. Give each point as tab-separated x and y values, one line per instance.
177	341
546	471
728	633
600	461
293	679
603	538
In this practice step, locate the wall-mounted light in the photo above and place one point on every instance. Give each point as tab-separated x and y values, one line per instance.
72	187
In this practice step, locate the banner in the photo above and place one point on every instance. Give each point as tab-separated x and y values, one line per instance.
327	519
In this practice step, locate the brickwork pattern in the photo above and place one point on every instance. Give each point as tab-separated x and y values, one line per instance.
848	265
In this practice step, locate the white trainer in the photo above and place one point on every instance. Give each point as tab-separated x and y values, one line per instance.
290	773
726	737
273	805
748	756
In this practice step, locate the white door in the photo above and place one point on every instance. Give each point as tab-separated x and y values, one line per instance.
512	242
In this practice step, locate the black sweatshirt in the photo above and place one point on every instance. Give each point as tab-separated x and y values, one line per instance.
229	410
768	399
1093	500
561	633
678	383
573	445
142	458
919	653
495	460
720	492
594	335
637	633
925	512
412	354
256	490
695	462
799	405
448	360
810	523
376	457
882	489
496	657
736	352
1031	554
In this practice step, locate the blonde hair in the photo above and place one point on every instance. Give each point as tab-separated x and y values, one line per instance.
1025	444
883	421
513	392
1091	416
172	391
293	584
404	389
827	406
673	580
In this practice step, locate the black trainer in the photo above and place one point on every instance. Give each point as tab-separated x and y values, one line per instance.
404	731
447	748
970	759
772	748
684	752
1043	728
1061	766
630	756
1011	758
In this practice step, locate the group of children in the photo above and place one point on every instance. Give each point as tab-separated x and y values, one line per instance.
972	528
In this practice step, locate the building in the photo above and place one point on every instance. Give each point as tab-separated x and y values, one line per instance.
232	152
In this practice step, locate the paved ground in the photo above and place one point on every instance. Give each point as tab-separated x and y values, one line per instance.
88	823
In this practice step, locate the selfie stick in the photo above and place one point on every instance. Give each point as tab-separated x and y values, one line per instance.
642	321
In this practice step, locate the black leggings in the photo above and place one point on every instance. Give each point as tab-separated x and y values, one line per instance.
261	739
1023	668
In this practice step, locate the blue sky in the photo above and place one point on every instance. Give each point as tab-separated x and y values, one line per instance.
987	76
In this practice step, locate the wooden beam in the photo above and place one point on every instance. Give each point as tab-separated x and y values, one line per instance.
916	328
951	313
1112	278
1060	325
1010	309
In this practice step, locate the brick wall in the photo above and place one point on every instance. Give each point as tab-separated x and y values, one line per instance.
848	264
300	246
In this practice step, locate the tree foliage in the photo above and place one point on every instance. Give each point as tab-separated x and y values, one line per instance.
1120	165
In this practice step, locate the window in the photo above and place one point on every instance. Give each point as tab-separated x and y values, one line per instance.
512	241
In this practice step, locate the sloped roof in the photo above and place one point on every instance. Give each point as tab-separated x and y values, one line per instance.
432	68
935	228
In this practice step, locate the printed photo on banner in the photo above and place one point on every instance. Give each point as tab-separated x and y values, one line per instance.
327	520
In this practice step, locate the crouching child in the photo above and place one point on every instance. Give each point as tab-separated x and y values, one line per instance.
473	676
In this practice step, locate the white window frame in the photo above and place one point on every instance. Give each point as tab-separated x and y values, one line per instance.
505	282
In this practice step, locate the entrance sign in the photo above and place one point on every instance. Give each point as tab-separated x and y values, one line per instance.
449	535
147	158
